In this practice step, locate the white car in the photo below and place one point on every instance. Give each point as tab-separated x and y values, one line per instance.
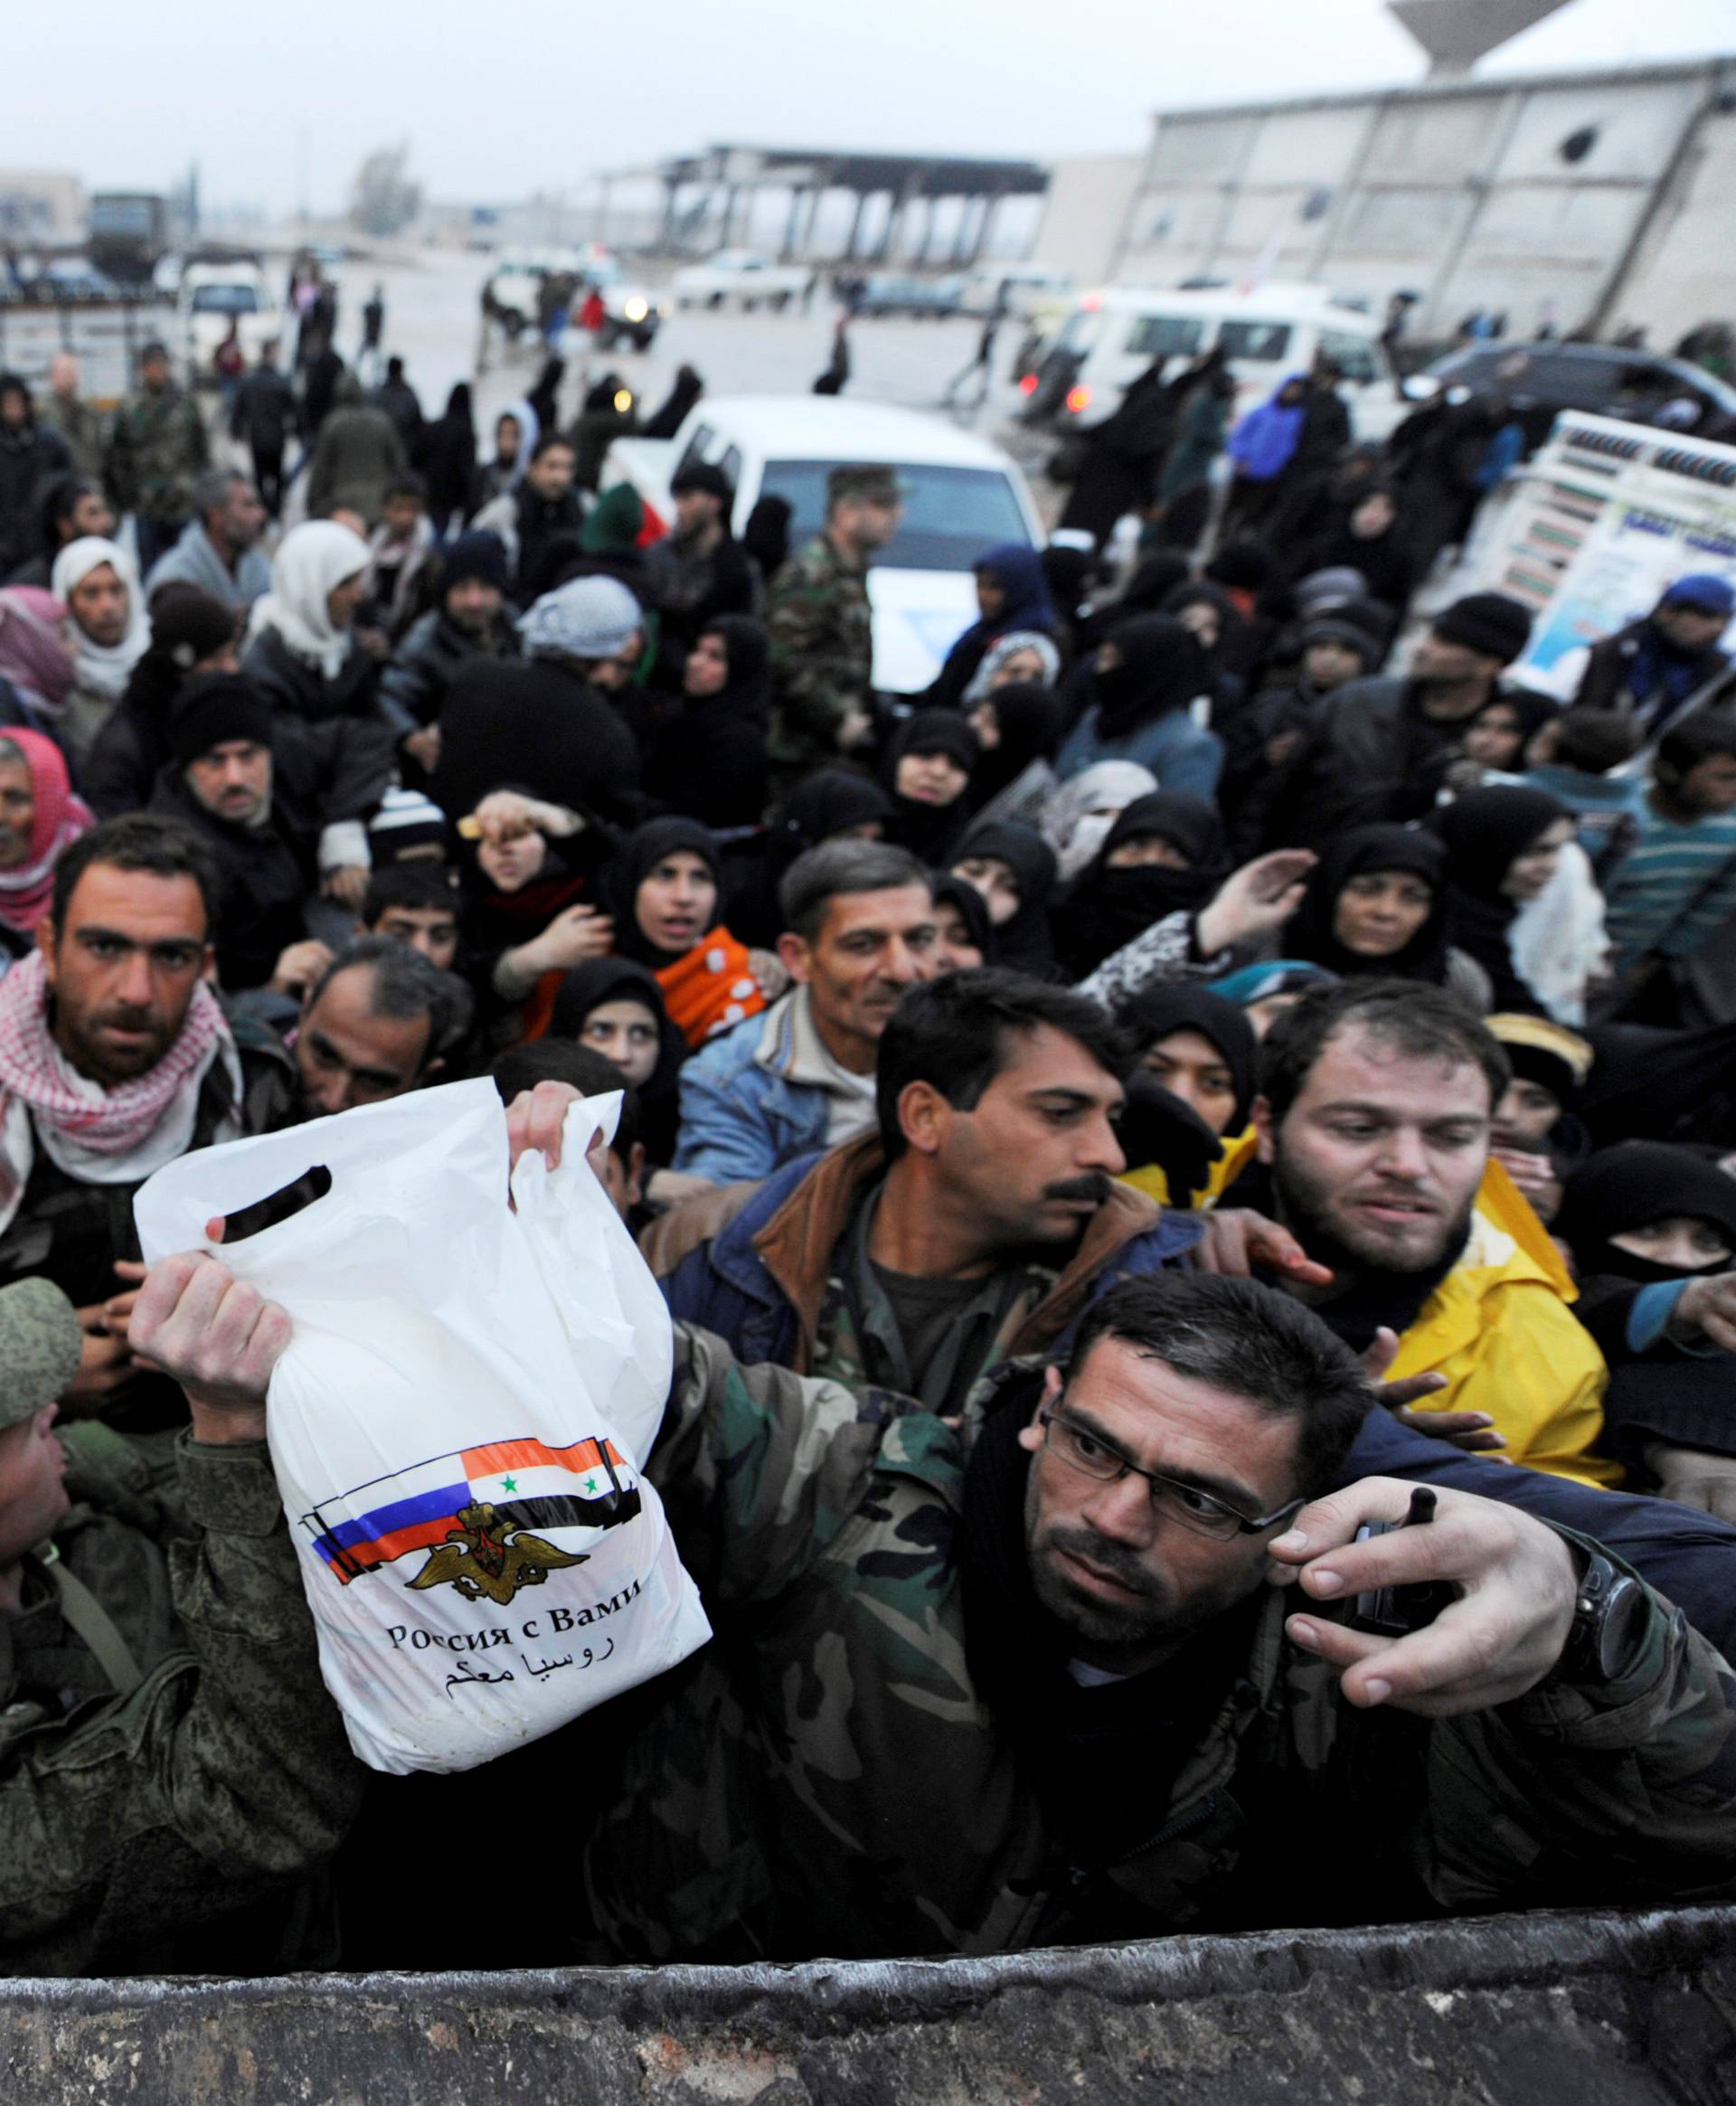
963	497
213	295
740	274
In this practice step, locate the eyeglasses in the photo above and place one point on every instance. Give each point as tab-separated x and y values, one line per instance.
1200	1511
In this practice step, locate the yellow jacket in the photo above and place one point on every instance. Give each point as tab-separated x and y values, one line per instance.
1499	1328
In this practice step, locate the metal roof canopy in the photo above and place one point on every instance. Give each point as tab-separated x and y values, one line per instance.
911	174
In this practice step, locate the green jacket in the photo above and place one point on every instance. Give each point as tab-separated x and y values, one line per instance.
168	1829
821	631
157	451
824	1777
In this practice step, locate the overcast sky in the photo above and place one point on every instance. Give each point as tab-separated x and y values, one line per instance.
506	98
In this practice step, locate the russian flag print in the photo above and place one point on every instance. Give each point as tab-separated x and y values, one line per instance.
525	1484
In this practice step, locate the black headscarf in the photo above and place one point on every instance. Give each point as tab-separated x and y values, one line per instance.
1024	941
929	830
824	804
1162	669
622	979
1108	908
1484	832
747	692
705	755
1031	719
643	848
1178	1005
1625	1187
1203	592
959	892
766	536
1309	934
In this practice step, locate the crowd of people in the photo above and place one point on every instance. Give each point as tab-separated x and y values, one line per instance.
1214	1072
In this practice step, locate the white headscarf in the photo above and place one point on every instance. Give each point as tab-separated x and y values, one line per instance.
312	560
1008	646
529	428
1079	815
103	668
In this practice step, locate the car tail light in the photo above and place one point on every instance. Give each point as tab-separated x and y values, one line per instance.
1028	385
1079	399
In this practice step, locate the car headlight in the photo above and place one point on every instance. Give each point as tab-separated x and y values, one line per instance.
635	309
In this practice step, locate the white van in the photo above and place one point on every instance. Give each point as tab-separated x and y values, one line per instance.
1269	332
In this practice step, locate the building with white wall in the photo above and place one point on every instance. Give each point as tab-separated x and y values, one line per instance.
1601	197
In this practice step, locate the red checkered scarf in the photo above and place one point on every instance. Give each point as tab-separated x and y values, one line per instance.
121	1119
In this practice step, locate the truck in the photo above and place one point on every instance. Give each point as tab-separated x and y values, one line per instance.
129	230
743	275
963	497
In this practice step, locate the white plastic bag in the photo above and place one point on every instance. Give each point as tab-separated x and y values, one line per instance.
458	1424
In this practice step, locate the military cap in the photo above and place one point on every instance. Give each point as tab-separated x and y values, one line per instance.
40	1343
864	482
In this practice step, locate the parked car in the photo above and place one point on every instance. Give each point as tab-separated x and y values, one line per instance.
963	495
1017	288
892	292
1539	381
743	275
1113	336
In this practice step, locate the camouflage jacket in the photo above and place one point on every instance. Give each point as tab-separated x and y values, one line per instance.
824	1777
155	452
821	630
167	1830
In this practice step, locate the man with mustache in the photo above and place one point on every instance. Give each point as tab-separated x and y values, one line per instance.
973	1223
1372	1133
116	1057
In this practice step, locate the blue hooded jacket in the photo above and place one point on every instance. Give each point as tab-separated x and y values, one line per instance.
1263	443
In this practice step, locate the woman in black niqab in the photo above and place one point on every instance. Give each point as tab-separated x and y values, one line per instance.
1112	901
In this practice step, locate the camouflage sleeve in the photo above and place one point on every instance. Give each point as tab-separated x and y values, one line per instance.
760	1469
225	1773
817	675
1622	1793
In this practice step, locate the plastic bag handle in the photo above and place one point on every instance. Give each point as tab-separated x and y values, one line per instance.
172	1208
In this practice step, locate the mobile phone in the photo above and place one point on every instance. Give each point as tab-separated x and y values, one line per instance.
1396	1611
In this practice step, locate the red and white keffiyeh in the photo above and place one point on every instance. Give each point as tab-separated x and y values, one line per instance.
104	1136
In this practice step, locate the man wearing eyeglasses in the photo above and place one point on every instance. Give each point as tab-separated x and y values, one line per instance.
1038	1678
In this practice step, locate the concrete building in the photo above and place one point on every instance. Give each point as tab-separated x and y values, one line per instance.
41	204
1085	213
1603	197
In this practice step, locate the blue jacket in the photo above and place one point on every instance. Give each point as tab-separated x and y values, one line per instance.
1177	751
764	1301
741	1120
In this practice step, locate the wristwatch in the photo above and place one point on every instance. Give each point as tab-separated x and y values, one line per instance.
1609	1613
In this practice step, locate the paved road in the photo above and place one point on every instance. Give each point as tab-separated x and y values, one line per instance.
434	322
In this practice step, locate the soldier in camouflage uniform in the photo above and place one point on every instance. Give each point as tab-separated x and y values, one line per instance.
171	1768
817	617
157	451
884	1751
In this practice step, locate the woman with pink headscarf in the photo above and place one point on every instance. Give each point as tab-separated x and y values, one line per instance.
39	816
35	664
